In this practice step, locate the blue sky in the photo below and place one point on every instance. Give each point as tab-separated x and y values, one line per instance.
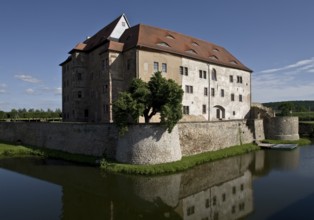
273	38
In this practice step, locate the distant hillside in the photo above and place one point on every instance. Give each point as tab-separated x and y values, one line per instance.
298	106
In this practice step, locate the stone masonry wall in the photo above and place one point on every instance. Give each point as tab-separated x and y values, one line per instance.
79	138
144	144
282	128
198	137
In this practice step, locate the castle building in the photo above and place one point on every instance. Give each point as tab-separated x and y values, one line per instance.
216	85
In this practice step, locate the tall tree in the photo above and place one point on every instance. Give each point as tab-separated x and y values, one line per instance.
159	95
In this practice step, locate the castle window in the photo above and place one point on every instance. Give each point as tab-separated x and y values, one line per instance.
234	190
181	70
214	75
86	113
214	200
106	108
212	91
239	79
222	93
79	76
190	210
105	88
232	97
231	78
207	203
79	94
156	67
205	91
234	113
242	187
202	74
186	110
188	89
164	67
186	71
240	98
204	109
223	197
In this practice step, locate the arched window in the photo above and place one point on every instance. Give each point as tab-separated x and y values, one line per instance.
214	74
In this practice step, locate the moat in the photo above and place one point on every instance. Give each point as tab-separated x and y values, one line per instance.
267	184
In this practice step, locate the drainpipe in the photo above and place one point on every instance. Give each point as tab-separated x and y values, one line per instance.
208	92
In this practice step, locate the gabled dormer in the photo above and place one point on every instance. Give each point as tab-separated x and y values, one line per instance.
121	25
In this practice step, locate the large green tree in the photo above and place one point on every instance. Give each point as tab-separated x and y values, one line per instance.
146	99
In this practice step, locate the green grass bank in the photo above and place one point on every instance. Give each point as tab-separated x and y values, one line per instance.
12	151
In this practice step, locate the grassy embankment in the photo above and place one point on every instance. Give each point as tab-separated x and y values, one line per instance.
111	166
11	151
300	142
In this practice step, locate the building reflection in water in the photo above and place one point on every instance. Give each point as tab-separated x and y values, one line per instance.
217	190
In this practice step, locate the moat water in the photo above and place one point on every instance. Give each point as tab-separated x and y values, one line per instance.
267	184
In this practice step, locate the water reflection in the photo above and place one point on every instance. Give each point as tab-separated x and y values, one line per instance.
217	190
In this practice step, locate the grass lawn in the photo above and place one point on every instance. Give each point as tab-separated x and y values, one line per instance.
300	142
7	150
184	164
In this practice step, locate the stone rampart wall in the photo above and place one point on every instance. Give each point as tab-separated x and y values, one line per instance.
282	128
198	137
148	144
145	144
79	138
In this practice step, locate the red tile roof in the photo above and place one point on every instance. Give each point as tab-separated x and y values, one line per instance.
153	38
158	39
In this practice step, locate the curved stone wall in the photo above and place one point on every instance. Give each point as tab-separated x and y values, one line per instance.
282	128
148	144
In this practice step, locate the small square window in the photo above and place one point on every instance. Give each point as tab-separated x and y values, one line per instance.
164	67
186	71
204	109
212	91
231	78
181	70
156	67
205	91
186	110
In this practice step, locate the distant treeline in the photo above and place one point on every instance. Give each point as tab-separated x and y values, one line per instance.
296	106
303	109
18	114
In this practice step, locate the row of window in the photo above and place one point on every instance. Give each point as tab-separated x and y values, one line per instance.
186	109
189	89
163	67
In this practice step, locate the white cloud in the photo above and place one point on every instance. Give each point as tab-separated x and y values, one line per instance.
58	91
30	91
27	78
303	64
291	82
3	88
